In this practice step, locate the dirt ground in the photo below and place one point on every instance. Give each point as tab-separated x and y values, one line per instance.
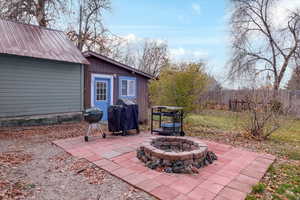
31	167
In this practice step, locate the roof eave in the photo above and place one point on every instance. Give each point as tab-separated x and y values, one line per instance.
107	59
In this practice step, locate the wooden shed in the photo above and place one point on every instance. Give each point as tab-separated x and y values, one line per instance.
41	72
107	80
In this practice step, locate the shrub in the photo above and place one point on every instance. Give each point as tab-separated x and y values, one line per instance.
262	120
179	86
276	106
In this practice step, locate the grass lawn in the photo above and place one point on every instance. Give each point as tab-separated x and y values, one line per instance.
285	142
283	179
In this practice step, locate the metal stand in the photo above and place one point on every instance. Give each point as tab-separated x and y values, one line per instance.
175	116
90	128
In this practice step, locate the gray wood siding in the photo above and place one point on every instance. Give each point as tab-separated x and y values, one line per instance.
102	67
30	86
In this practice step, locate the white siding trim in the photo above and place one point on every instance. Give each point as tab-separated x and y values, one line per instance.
93	76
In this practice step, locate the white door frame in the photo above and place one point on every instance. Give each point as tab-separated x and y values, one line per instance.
93	77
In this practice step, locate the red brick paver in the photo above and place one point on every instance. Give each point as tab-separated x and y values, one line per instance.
230	177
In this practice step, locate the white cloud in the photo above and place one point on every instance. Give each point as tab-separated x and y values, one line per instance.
196	8
181	54
200	54
282	9
177	52
143	27
213	40
159	41
131	38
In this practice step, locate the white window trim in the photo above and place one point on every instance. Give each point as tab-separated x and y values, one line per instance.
127	80
93	77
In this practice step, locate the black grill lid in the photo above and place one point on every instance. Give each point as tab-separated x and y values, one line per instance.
94	111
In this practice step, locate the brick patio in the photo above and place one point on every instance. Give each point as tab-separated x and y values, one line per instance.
229	178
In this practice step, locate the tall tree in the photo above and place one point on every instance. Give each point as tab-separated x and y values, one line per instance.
147	55
259	43
154	57
90	30
87	31
40	12
179	85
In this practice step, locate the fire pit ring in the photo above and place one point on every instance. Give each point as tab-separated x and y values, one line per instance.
175	154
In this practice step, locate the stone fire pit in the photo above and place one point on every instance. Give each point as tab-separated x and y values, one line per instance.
175	154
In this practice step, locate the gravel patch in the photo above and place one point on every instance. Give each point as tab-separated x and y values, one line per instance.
31	167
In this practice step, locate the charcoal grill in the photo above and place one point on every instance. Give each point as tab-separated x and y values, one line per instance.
93	116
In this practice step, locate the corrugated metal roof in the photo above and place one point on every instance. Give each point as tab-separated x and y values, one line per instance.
34	41
107	59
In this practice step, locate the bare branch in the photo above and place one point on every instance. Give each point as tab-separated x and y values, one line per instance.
257	42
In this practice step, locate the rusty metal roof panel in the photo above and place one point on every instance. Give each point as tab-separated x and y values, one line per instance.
34	41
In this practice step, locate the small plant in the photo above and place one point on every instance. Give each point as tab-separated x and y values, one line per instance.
259	188
251	197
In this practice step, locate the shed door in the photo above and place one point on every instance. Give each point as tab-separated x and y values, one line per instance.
102	95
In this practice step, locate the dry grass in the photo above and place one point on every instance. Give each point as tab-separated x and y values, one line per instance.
282	181
228	127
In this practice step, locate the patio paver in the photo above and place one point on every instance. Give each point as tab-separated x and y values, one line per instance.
230	177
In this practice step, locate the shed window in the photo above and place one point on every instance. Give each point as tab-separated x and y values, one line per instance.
127	87
124	87
101	91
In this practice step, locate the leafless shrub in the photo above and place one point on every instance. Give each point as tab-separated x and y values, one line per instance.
262	116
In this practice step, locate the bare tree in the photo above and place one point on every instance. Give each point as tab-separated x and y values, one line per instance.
90	29
89	33
259	44
294	82
154	57
40	12
146	55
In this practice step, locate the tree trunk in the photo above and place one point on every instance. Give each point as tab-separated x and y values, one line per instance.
80	42
275	88
40	13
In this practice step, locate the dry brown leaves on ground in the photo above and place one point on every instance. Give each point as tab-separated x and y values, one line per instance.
52	132
10	190
132	194
94	174
237	139
18	190
60	157
14	158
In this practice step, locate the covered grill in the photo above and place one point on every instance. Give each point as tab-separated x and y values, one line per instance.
93	116
123	116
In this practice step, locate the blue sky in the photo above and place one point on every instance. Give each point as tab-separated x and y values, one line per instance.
194	29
